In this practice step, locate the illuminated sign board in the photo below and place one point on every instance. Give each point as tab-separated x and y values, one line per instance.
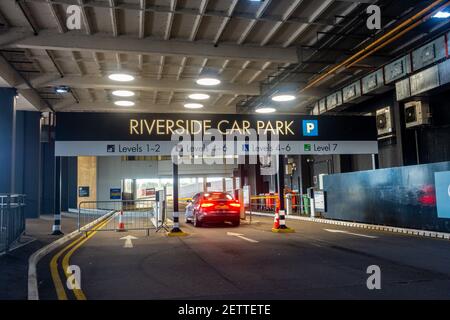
151	134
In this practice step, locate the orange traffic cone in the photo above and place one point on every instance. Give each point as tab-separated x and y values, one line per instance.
280	223
121	227
276	221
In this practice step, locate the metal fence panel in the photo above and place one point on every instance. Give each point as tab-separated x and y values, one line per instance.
127	215
12	219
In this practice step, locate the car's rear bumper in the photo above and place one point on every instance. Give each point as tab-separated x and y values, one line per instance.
217	218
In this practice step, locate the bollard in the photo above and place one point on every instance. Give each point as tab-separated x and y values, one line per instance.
282	226
56	229
176	230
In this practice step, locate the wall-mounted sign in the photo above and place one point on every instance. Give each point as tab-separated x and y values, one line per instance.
83	192
320	201
115	193
442	181
118	134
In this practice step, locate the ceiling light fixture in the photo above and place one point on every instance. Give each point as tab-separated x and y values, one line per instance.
199	96
283	97
124	103
123	93
265	110
62	89
193	106
121	77
442	15
208	81
209	77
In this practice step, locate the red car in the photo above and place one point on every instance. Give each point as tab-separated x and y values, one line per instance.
214	207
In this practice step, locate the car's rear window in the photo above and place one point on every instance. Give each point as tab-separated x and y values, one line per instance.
218	196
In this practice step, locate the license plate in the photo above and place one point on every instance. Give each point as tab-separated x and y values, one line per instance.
222	207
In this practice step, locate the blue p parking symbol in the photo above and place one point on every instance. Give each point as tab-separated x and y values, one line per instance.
310	128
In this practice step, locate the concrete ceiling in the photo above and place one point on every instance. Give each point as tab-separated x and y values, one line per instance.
166	44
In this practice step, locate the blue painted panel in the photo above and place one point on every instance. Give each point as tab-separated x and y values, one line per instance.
443	194
403	197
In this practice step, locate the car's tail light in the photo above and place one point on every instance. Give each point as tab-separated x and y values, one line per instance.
235	205
207	205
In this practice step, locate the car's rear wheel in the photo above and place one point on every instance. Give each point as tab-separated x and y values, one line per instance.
197	223
236	223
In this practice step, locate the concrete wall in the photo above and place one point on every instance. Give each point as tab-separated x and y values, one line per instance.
111	171
87	177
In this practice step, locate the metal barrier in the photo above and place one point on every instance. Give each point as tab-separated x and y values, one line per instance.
296	204
12	219
129	215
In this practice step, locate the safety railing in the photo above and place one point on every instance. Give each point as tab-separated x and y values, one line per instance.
270	203
127	215
12	219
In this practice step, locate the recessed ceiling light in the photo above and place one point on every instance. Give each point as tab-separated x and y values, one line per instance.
193	106
208	81
283	97
123	93
265	110
442	15
199	96
124	103
121	77
62	89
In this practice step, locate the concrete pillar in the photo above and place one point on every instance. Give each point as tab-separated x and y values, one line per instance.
32	166
64	184
56	231
48	172
72	183
7	139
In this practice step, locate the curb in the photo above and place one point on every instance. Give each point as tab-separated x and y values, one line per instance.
33	291
413	232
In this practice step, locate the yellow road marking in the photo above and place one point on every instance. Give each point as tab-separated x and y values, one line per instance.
59	287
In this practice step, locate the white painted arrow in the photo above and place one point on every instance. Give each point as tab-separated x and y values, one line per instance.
128	241
241	236
350	233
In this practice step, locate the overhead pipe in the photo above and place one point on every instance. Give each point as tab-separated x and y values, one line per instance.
331	42
399	35
374	44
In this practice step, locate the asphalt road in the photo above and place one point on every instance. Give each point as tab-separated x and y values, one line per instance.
316	262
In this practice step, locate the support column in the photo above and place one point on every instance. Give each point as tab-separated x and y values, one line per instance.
48	172
64	184
7	139
32	166
175	188
72	183
281	178
57	213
